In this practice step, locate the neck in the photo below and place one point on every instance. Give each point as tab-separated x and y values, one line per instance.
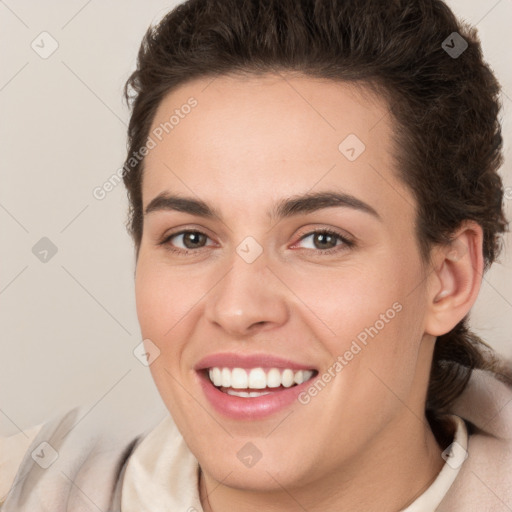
391	473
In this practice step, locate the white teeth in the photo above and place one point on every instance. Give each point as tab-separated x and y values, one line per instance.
273	378
246	394
239	378
256	378
215	376
306	375
287	378
226	377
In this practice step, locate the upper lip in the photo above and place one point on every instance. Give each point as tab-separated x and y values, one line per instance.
234	360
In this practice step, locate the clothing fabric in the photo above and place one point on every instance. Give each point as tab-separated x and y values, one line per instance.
100	468
71	466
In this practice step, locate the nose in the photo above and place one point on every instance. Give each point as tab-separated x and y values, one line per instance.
248	299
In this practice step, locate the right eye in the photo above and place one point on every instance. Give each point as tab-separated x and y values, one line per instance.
191	240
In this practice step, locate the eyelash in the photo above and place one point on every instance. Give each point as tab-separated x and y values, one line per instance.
347	243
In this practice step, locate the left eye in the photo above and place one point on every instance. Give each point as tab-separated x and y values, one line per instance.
325	240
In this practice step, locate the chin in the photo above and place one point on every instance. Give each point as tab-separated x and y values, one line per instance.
262	477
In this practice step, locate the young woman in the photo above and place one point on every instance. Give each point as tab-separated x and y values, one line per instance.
314	198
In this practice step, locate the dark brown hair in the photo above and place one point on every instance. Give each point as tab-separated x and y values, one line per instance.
448	145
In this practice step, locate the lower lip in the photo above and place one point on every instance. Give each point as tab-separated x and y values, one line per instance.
250	408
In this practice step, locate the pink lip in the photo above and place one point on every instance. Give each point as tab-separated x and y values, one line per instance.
254	408
249	408
233	360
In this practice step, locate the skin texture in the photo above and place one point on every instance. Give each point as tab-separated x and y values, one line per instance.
363	442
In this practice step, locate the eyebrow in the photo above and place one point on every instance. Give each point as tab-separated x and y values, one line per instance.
295	205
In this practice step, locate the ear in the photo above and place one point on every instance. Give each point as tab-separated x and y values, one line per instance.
455	280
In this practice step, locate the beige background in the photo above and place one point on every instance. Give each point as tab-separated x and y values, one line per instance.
69	325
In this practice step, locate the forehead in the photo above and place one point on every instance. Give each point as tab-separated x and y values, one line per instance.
273	134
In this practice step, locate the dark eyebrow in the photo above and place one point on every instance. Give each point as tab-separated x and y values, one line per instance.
313	201
294	205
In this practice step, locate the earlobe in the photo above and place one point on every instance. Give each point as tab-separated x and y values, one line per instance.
455	280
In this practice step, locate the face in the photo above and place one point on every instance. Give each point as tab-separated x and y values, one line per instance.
278	236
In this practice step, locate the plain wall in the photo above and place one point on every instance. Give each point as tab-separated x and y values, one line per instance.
69	325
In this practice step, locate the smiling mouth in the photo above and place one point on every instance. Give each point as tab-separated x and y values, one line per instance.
254	382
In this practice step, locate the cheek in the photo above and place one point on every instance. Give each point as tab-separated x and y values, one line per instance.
159	314
162	297
367	315
167	307
344	301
